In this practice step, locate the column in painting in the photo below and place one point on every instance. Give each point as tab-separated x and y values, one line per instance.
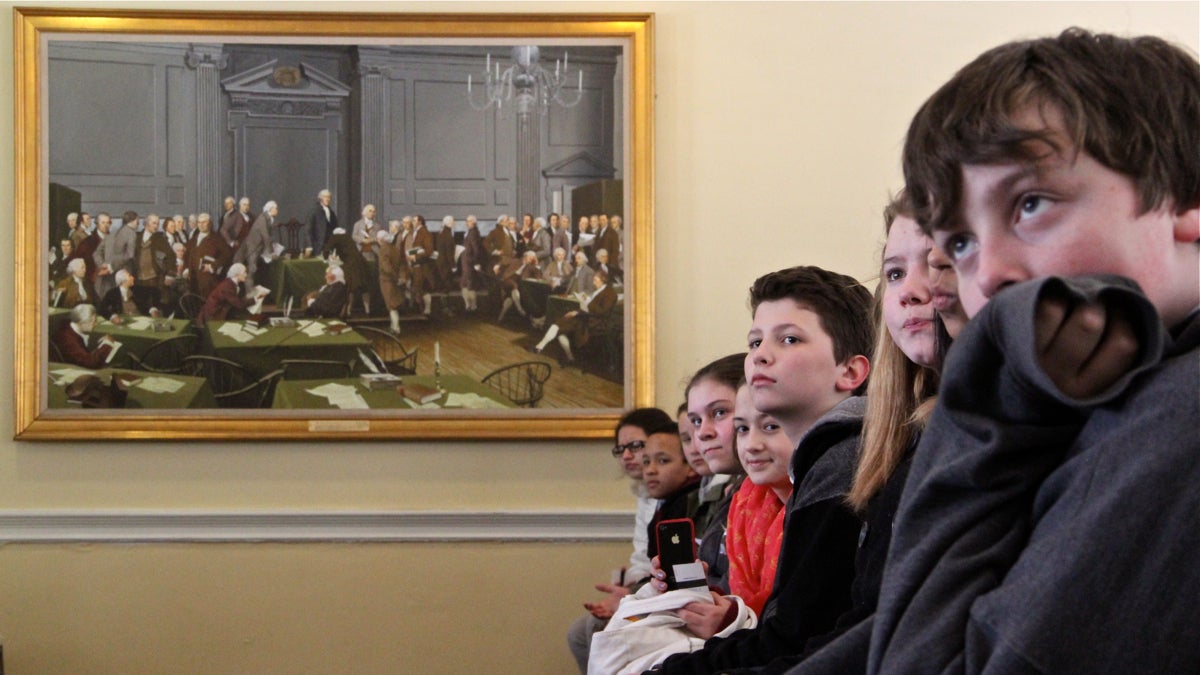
207	61
529	159
373	85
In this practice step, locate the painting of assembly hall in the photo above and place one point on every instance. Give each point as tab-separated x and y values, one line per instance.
335	227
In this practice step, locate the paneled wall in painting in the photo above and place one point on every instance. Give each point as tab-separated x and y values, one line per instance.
122	125
172	128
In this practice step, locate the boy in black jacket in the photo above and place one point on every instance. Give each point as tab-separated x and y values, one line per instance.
668	478
805	365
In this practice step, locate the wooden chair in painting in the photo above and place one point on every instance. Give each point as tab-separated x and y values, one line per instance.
257	394
229	380
167	355
190	305
522	383
291	236
393	356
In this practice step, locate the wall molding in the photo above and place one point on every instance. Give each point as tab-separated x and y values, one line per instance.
25	526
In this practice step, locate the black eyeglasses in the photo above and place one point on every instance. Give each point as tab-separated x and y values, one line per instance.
632	446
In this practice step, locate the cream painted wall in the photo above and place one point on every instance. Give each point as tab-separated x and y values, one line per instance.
778	134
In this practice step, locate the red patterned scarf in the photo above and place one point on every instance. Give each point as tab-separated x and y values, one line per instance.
752	542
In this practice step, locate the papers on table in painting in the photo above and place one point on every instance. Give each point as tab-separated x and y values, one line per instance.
240	331
65	376
160	385
152	383
343	396
471	401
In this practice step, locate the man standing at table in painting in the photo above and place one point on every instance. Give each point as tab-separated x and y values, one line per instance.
443	246
541	241
609	239
86	248
560	236
207	256
500	246
256	251
364	231
321	222
72	228
236	226
116	252
228	301
470	265
152	261
228	208
418	246
391	284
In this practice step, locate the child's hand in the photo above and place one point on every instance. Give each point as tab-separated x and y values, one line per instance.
658	578
1084	348
606	607
705	620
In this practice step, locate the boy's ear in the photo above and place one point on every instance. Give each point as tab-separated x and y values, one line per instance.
854	373
1187	226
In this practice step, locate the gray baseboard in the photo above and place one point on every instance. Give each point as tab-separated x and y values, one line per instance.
23	526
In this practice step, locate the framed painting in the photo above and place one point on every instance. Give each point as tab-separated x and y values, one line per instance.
331	226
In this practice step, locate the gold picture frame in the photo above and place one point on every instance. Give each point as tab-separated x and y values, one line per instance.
36	30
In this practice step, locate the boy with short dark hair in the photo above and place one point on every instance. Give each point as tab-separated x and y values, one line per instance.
806	361
1049	520
668	478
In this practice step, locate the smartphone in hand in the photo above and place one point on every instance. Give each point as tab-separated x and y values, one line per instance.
677	554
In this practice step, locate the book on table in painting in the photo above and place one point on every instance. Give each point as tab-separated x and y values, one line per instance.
380	381
419	393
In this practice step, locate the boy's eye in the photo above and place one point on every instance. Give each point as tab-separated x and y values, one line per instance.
755	343
1032	205
894	274
791	340
719	413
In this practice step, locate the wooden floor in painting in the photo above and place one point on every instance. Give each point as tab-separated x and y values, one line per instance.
475	345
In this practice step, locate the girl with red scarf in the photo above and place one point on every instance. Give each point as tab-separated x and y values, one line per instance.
756	514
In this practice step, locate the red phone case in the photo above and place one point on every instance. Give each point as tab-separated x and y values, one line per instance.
670	553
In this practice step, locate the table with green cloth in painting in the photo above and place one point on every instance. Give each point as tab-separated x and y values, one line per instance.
459	392
135	333
295	277
151	390
261	349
